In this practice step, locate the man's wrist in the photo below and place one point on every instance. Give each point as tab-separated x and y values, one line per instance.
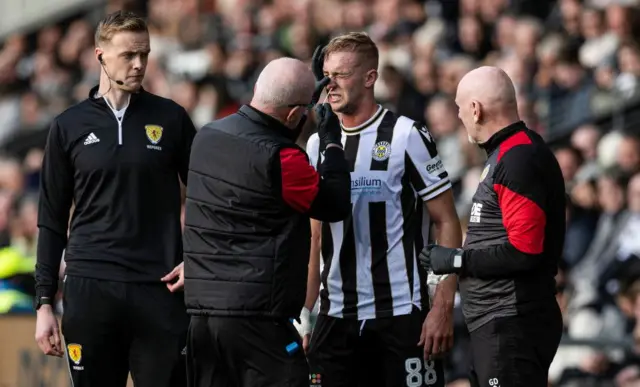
334	145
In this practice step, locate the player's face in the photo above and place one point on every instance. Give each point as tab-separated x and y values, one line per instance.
349	80
125	58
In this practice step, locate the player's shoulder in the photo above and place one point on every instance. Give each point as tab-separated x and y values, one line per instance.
313	144
313	140
413	128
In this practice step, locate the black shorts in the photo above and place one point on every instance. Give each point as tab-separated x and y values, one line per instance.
113	328
516	351
383	352
244	352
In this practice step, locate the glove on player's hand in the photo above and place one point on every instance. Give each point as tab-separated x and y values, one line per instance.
329	130
317	61
439	259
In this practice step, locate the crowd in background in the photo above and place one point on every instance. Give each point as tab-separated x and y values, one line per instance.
572	62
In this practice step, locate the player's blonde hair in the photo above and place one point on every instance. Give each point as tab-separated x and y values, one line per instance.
118	21
358	42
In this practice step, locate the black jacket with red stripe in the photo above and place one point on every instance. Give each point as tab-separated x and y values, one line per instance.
516	229
246	233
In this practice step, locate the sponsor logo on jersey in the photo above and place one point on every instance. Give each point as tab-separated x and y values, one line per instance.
435	166
366	186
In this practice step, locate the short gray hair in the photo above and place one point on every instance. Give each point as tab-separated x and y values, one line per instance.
282	82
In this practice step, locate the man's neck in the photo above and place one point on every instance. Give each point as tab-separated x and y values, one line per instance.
365	111
116	97
497	126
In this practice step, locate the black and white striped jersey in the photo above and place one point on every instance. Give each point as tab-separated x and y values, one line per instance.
370	266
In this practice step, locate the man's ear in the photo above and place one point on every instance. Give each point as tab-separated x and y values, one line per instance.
370	78
476	108
293	114
99	52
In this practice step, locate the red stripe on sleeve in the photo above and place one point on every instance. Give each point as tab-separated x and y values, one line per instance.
519	138
523	219
299	179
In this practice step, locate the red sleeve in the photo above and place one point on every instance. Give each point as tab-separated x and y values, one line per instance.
523	219
521	195
299	179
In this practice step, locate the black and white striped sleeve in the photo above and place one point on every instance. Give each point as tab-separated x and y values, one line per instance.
427	173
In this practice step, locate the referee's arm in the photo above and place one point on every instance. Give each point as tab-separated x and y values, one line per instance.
56	195
520	192
326	198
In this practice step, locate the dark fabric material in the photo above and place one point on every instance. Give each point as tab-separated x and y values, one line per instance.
124	180
122	327
244	352
517	350
246	249
516	229
371	353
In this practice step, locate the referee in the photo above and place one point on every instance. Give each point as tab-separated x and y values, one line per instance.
247	236
118	156
514	240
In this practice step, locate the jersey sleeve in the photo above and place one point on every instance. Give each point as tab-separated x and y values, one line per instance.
313	150
426	170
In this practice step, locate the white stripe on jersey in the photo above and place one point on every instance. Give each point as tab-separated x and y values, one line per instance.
378	185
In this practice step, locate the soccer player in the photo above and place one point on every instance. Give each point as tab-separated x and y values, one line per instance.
374	308
514	240
119	156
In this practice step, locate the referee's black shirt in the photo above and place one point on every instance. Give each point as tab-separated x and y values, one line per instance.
122	177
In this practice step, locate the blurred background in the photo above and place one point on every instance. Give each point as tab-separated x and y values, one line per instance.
575	64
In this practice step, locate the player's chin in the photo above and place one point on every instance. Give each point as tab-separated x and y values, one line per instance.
338	107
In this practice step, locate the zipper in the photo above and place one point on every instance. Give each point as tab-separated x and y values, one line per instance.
118	120
120	129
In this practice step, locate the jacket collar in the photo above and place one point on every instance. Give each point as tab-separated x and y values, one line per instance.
500	136
99	100
267	121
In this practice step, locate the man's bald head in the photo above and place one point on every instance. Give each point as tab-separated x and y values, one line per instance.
282	82
487	102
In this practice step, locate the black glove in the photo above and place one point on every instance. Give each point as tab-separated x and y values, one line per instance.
329	130
441	260
317	61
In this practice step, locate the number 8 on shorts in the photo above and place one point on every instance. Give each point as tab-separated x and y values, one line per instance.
417	375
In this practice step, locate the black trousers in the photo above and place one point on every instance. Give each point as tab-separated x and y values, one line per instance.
373	353
516	351
113	328
244	352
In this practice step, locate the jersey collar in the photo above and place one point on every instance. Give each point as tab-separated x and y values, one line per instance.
500	136
94	97
364	125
